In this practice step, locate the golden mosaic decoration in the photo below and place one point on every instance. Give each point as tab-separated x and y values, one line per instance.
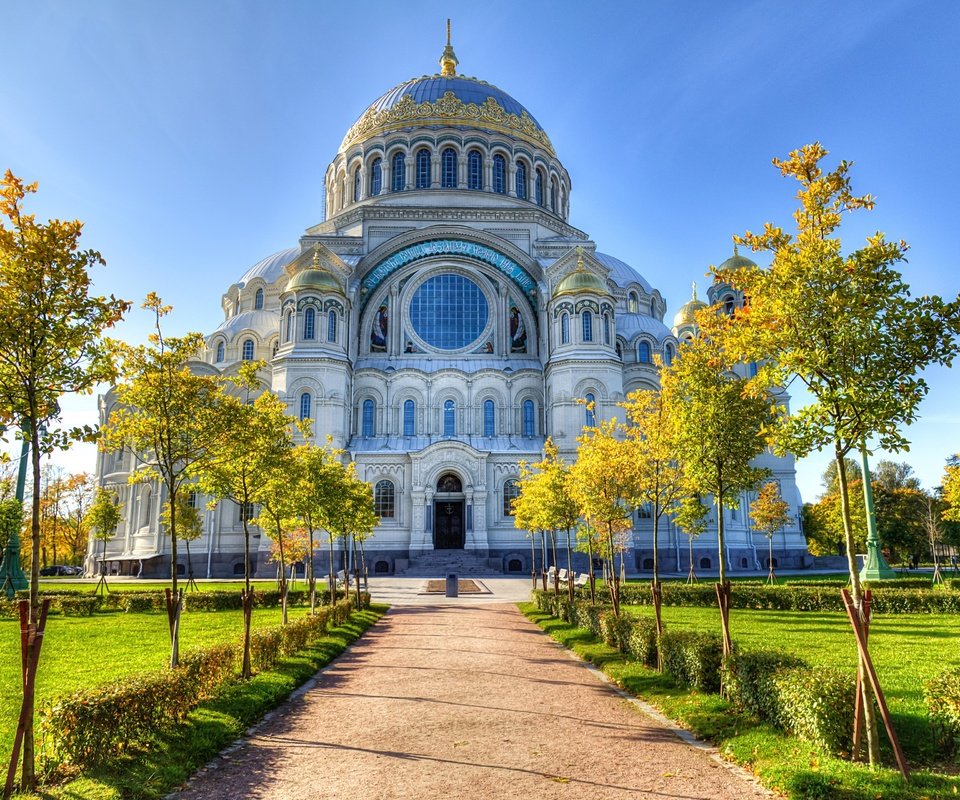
448	110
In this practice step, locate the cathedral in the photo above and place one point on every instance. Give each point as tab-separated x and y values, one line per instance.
441	321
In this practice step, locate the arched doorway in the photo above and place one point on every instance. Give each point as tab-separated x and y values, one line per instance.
448	502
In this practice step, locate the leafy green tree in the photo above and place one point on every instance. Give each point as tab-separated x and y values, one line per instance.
529	509
659	477
845	326
255	434
277	497
171	418
317	475
770	515
719	422
51	344
103	518
80	489
351	517
691	518
189	526
560	504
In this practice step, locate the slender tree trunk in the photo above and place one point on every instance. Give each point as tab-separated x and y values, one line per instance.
869	717
533	559
543	559
283	577
356	570
311	577
655	588
556	574
613	583
593	577
246	597
333	574
569	567
723	587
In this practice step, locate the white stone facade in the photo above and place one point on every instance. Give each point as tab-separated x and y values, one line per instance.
441	322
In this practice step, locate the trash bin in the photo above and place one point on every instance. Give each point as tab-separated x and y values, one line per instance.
452	585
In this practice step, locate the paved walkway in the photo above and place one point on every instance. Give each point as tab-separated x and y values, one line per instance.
462	701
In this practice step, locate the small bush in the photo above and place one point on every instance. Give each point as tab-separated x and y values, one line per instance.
642	643
692	658
77	605
748	680
816	705
942	694
615	631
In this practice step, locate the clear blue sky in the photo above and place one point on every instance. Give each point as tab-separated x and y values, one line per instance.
192	138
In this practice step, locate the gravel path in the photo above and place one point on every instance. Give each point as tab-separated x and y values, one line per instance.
468	701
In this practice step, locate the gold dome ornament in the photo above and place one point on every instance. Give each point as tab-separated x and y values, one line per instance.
686	314
581	280
448	59
314	277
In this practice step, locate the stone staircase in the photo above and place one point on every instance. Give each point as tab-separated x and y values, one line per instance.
440	563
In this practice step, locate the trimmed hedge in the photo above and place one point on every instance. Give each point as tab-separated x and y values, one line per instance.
748	680
93	725
692	658
798	597
942	694
816	705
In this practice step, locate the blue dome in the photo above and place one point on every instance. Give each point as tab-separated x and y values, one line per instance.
431	88
447	100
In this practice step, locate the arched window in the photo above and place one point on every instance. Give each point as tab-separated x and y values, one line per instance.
539	187
258	300
499	174
633	303
511	491
248	349
376	177
306	405
529	420
475	170
193	499
409	425
356	185
590	418
564	328
729	305
587	319
643	353
367	424
398	172
553	195
147	500
309	324
449	418
606	330
521	180
332	326
489	418
289	332
423	168
276	346
220	349
668	354
448	169
383	499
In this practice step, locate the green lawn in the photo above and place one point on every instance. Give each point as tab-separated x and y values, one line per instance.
80	652
907	650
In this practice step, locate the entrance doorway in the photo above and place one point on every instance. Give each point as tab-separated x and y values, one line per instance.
449	526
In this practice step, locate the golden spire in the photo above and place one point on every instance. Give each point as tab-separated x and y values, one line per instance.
316	255
448	59
735	251
694	298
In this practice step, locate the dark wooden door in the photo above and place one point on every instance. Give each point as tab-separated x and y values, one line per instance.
449	525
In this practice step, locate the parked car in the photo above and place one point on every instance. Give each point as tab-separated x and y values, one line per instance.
60	569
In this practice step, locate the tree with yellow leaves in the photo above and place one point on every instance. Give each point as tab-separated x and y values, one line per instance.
51	344
659	477
604	485
770	514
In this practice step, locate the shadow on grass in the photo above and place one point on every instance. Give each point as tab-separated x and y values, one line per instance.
176	754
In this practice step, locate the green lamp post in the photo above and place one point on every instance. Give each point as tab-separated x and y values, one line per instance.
12	578
875	567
